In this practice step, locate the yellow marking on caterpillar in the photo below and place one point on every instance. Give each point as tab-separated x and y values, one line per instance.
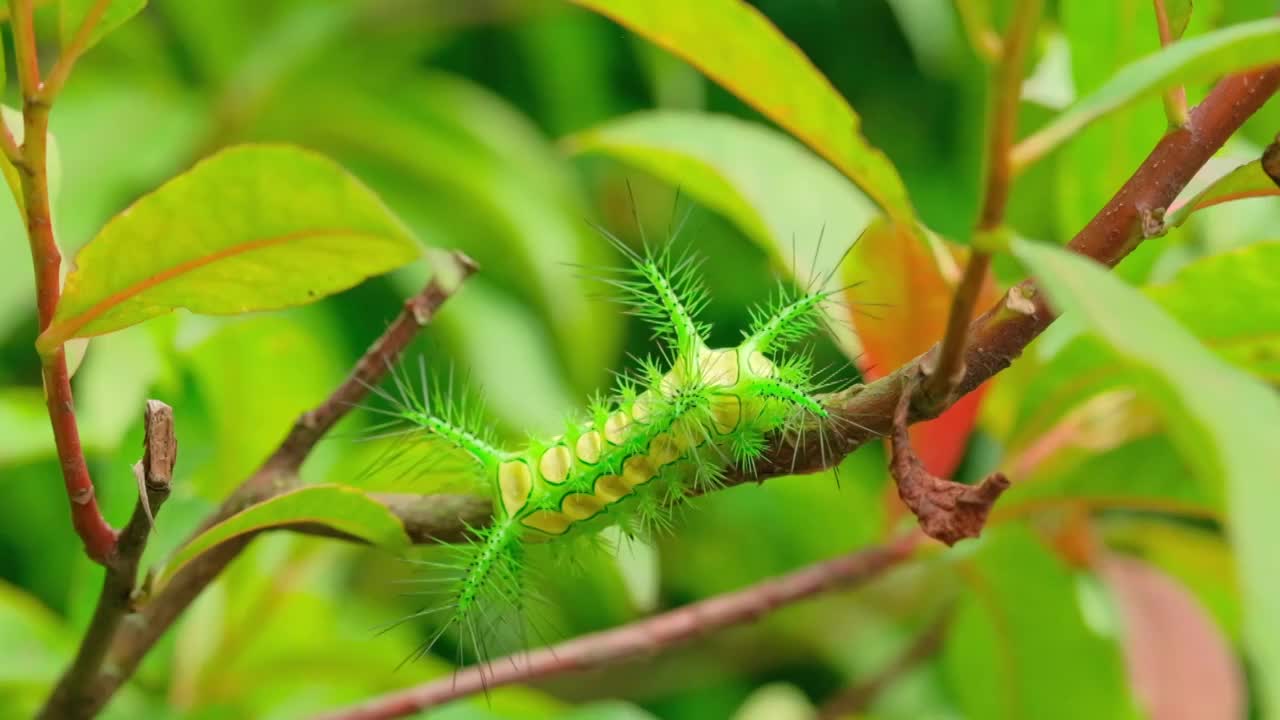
642	408
615	428
552	523
555	464
726	412
589	446
663	449
581	506
515	481
611	488
720	367
638	470
760	365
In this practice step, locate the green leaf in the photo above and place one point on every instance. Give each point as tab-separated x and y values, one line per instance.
1179	14
732	165
1231	302
343	509
1020	645
1206	56
73	13
1222	420
254	227
736	46
1247	181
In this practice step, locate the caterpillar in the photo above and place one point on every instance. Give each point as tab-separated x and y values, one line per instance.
672	430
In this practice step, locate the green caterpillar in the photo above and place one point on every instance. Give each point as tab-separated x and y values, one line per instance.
667	435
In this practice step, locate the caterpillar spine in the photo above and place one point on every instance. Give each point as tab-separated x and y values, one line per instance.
669	434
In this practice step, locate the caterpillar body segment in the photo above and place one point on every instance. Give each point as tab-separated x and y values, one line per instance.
668	435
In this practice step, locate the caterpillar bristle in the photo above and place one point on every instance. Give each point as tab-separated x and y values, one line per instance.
673	428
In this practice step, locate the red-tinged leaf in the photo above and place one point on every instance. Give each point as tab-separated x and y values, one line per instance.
1180	664
900	295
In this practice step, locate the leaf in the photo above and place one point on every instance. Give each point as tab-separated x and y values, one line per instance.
1197	558
72	14
1231	302
1180	665
736	46
900	293
1179	14
805	223
1247	181
468	170
343	509
1222	420
1206	56
254	227
1020	645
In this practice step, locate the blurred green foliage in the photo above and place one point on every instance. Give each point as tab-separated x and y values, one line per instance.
505	128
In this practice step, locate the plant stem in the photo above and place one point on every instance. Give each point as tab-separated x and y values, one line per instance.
1006	94
98	536
117	599
1175	98
72	52
643	637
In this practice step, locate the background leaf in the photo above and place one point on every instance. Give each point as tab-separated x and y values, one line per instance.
1020	646
251	228
344	509
72	13
1222	420
739	48
1247	181
1238	47
1191	673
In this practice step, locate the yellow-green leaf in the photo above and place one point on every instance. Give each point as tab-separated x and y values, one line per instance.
1247	181
255	227
1238	47
1222	420
734	166
344	509
736	46
73	13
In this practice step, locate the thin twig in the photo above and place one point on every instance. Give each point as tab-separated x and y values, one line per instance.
119	591
1175	98
98	536
71	53
948	367
277	474
24	47
643	637
9	144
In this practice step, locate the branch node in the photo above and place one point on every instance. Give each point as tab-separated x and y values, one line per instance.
83	496
1152	220
948	511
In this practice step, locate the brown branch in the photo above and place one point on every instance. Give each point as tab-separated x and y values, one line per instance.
944	376
860	413
277	474
119	591
643	637
98	537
